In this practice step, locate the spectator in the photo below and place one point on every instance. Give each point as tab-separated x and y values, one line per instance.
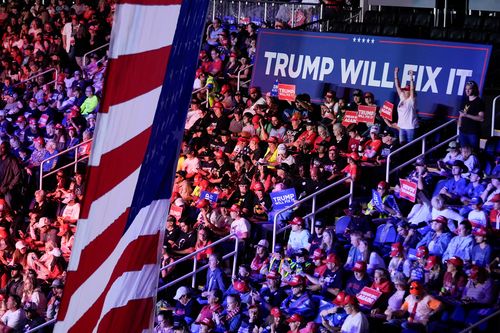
15	318
299	237
481	252
356	321
454	280
407	115
231	318
471	116
437	239
461	245
10	175
300	301
358	280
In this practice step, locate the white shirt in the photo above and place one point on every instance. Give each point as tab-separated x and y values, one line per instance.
355	324
71	212
407	113
14	319
240	226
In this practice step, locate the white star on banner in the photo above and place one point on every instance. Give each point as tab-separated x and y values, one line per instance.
364	39
373	40
359	40
354	39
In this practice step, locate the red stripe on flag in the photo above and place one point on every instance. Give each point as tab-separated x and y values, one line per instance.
99	249
133	75
114	167
138	253
118	319
150	2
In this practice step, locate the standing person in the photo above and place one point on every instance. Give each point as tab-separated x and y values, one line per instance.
10	173
407	109
471	116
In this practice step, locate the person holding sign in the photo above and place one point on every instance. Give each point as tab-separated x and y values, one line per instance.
407	110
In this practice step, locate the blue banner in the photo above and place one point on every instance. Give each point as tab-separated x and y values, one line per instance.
212	197
283	199
377	201
316	62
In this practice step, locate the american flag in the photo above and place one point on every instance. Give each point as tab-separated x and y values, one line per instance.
114	268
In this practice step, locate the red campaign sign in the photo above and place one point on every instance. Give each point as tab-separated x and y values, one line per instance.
366	114
408	190
368	296
286	92
386	110
176	211
350	117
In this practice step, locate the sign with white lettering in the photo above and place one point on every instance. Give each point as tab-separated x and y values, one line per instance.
368	296
283	199
286	92
350	117
176	211
212	197
408	190
386	110
315	62
366	114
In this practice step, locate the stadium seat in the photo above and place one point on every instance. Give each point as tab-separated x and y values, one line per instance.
472	22
491	24
390	30
372	29
371	17
457	35
478	36
438	33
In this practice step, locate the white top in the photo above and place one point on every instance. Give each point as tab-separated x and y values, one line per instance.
355	324
14	319
407	113
299	239
240	226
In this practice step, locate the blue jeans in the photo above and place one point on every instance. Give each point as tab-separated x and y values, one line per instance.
406	135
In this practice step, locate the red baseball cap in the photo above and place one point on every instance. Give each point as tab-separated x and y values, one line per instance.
203	203
350	300
218	105
481	231
359	266
340	299
235	208
21	119
258	187
416	288
318	254
276	312
431	262
455	261
241	286
396	249
496	198
273	275
39	140
297	280
295	318
441	219
219	154
354	156
332	258
422	251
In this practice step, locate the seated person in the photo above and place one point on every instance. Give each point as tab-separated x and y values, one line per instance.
359	280
454	279
461	245
437	239
481	252
299	237
300	301
332	280
388	207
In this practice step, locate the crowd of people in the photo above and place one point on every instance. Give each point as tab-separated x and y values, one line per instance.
50	96
384	263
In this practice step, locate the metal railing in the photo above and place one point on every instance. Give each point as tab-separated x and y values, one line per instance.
238	80
314	211
84	60
389	171
196	270
35	329
485	319
75	162
493	115
258	11
40	74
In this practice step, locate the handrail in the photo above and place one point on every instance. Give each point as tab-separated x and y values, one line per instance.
485	319
493	115
47	323
195	261
313	196
84	60
40	74
75	147
238	80
388	170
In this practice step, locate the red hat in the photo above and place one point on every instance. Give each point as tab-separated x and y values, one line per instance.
396	249
32	121
218	105
295	318
21	119
383	184
455	261
219	154
474	272
273	139
203	203
241	139
340	299
206	321
297	280
332	258
59	126
353	155
253	89
204	184
318	254
255	138
241	286
235	208
405	88
359	266
422	251
496	198
431	262
296	116
350	300
258	187
39	140
276	312
273	275
481	231
3	233
297	220
75	108
225	88
416	288
203	54
255	119
197	179
441	219
233	55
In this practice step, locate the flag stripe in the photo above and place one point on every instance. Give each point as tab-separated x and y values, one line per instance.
145	69
119	123
154	30
151	2
117	165
118	320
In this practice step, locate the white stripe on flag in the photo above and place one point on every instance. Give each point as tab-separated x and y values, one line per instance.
125	120
131	285
104	211
86	295
133	26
